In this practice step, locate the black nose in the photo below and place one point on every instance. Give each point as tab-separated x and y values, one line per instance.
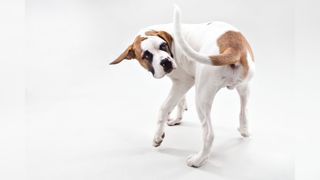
166	64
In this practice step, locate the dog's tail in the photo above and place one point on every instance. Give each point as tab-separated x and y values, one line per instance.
226	57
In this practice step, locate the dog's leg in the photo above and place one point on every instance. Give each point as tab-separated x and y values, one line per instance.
204	100
243	91
181	107
177	91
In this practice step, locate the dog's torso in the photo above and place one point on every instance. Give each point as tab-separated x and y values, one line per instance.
203	38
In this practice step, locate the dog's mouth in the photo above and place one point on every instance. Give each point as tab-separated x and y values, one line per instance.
166	71
169	70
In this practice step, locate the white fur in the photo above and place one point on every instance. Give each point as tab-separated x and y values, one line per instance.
191	47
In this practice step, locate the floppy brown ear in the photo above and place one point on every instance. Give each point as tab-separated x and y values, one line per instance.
127	54
166	36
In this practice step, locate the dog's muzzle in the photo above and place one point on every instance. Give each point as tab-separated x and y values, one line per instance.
167	65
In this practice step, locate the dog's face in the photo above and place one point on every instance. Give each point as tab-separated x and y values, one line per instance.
153	52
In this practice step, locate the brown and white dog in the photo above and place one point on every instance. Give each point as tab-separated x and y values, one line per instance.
209	55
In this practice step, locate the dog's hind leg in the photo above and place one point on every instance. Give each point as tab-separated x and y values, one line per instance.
181	107
204	99
243	91
178	90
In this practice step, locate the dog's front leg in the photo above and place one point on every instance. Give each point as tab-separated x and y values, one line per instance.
178	90
181	107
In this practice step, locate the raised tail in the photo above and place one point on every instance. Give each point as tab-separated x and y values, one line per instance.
228	56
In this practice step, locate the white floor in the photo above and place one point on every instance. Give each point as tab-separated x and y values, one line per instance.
103	132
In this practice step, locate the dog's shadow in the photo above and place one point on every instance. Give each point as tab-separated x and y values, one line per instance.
219	150
226	152
174	151
224	155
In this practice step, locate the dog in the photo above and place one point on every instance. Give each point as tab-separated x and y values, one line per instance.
209	56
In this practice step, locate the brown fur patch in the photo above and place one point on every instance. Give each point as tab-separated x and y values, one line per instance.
233	49
138	51
133	51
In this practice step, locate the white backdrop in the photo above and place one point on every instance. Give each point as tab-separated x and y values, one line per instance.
84	119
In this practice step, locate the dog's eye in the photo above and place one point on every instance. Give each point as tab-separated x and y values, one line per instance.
164	47
147	55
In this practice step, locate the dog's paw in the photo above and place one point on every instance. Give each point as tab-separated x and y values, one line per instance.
174	122
244	132
196	160
158	140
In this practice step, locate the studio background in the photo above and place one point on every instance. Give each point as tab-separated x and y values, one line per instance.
84	119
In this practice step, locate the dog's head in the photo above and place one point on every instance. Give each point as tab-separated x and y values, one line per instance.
153	51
